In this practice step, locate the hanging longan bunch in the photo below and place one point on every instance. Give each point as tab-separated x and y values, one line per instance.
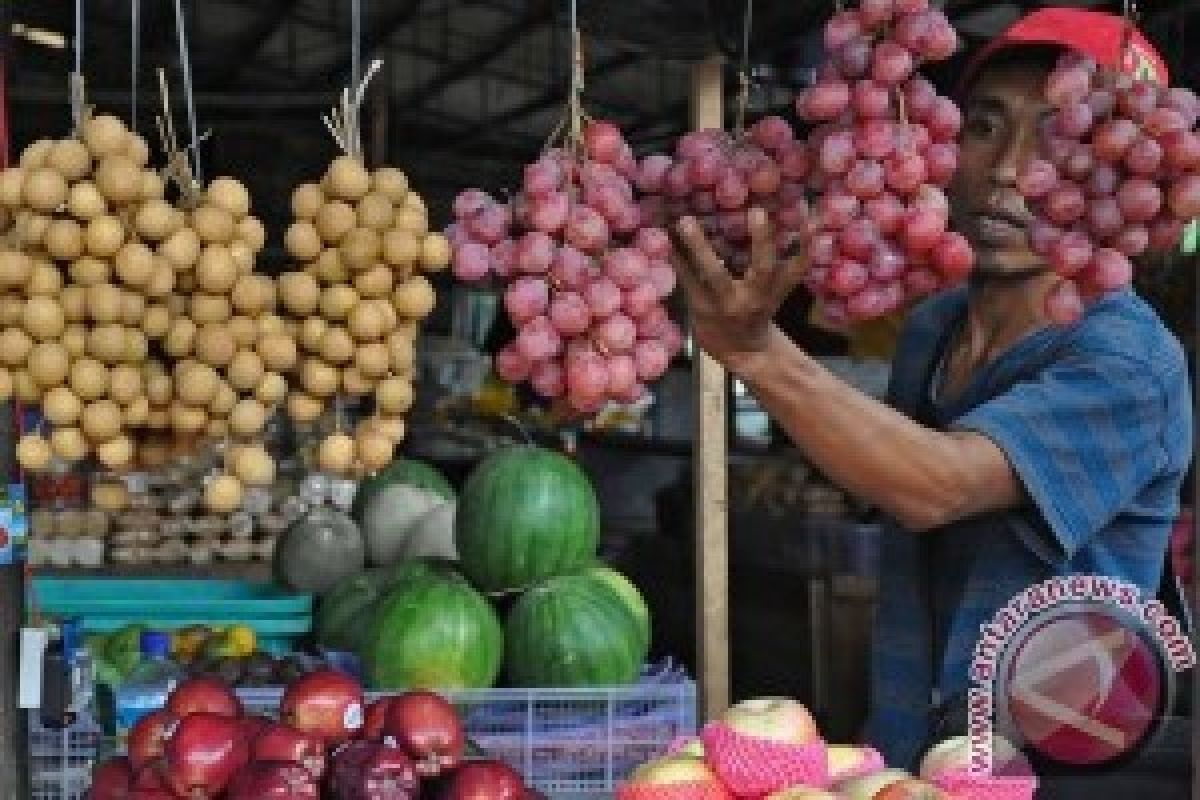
361	242
77	282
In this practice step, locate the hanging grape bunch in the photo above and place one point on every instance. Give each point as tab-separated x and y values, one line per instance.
583	279
1119	176
361	239
883	151
717	176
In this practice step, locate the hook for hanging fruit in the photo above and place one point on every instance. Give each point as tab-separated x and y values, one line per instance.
743	97
343	120
185	65
178	169
75	81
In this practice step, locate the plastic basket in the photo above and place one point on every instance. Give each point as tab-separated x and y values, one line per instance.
566	742
61	761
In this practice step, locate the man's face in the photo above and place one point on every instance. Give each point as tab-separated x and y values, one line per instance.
1001	121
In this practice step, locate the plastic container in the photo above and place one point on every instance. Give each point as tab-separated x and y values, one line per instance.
61	761
149	684
277	616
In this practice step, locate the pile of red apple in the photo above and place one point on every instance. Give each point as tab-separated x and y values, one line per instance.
327	743
696	772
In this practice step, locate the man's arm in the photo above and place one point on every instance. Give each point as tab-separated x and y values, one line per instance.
923	477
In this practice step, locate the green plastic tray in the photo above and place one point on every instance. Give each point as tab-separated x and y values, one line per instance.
106	604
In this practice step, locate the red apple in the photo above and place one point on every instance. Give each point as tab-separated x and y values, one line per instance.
327	703
777	719
372	771
376	718
150	776
867	786
911	789
112	780
203	693
678	769
148	736
254	724
429	729
203	754
279	742
485	780
273	780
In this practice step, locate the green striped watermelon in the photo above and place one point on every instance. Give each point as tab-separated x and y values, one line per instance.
524	515
404	471
433	633
629	594
574	630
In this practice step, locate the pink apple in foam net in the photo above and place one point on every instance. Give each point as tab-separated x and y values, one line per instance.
847	759
802	793
954	755
867	786
777	719
675	769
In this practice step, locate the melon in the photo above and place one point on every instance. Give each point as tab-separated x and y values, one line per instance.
433	633
387	519
574	630
318	550
525	515
403	471
432	536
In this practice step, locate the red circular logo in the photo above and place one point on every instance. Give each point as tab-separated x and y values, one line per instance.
1083	688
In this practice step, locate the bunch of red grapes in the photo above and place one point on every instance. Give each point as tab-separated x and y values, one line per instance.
1120	177
883	150
584	280
717	177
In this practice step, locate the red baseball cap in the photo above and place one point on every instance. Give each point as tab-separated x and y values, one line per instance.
1092	33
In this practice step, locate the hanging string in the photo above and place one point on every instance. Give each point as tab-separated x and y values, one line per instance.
355	41
743	98
135	24
343	121
76	79
185	66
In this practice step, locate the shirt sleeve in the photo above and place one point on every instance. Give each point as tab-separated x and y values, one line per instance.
1084	437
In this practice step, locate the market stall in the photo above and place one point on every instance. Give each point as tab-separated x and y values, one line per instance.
335	476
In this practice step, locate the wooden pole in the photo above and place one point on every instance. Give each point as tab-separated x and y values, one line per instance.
710	467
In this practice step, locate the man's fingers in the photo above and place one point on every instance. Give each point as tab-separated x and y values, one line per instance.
761	274
700	262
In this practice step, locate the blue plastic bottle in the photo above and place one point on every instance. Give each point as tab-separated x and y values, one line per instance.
148	684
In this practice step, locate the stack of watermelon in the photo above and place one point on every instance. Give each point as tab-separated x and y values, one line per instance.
525	532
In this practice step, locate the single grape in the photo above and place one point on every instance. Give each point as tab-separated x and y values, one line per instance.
676	182
764	179
837	152
526	298
1101	102
1113	138
865	179
920	97
875	138
1165	233
1065	204
603	297
945	120
853	59
489	224
912	30
1131	241
622	374
1069	85
1138	100
1144	156
837	208
652	172
1181	150
1110	269
472	261
1079	164
772	133
543	177
794	162
651	358
953	256
469	201
1183	197
548	379
1043	237
846	276
824	101
891	63
1071	253
871	99
1063	304
841	28
865	304
615	334
586	229
859	238
587	376
904	172
538	340
661	276
1103	217
1185	102
887	263
569	313
625	266
922	229
603	141
886	211
1037	179
510	365
1103	181
534	252
1139	199
1073	120
548	212
941	162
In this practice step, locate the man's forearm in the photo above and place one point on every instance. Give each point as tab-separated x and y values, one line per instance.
920	476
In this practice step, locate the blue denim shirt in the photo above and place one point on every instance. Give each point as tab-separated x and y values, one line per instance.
1096	420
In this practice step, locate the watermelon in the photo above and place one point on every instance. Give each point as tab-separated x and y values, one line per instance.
524	515
404	471
432	536
574	630
629	594
433	633
339	620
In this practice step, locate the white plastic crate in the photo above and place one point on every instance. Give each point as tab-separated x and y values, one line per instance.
61	761
566	742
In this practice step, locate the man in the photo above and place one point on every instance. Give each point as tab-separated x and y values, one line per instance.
1012	450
